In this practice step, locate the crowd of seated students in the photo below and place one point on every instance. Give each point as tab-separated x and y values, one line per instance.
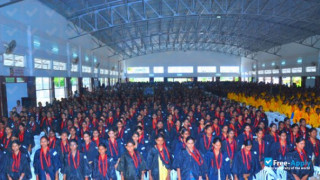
118	132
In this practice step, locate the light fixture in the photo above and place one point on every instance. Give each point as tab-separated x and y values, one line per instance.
263	65
299	61
283	63
254	66
87	58
94	60
74	55
273	64
218	17
55	49
36	43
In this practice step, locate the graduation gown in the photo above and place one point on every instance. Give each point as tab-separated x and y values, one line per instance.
245	165
205	144
108	165
16	171
91	151
262	151
41	169
243	137
3	165
153	161
278	154
230	149
212	163
76	167
128	168
302	171
189	168
313	150
116	149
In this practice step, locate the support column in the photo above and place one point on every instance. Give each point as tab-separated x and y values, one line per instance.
280	80
80	85
303	81
69	87
217	79
29	58
195	79
53	95
3	102
151	79
32	93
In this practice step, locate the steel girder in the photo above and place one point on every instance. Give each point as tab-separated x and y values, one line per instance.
137	27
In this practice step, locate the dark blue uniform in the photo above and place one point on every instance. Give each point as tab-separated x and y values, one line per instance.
153	160
76	167
222	161
101	166
46	164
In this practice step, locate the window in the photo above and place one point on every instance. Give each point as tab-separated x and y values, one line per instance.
286	70
180	80
207	69
267	80
158	79
138	79
260	79
260	72
104	71
13	60
204	79
86	69
297	70
275	80
74	67
275	71
59	87
158	69
138	70
20	80
10	80
86	82
60	66
297	81
229	69
42	63
95	70
222	79
253	72
74	84
180	69
286	81
267	71
43	89
311	69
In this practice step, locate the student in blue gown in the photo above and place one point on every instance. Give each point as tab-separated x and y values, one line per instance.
313	147
205	141
139	146
175	133
273	136
114	146
96	137
299	155
293	135
280	149
74	136
3	165
25	138
159	160
6	141
245	165
103	168
63	147
260	147
224	132
180	143
76	164
217	162
131	165
52	139
18	166
89	148
46	161
230	146
246	135
190	162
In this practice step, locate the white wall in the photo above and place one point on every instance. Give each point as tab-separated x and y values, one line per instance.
180	58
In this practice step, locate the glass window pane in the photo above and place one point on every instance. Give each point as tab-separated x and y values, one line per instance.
137	70
158	69
229	69
207	69
180	69
10	80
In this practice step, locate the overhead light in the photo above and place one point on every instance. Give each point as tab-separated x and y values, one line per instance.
94	60
299	61
218	17
273	64
254	66
283	63
86	58
55	49
74	55
36	43
263	65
